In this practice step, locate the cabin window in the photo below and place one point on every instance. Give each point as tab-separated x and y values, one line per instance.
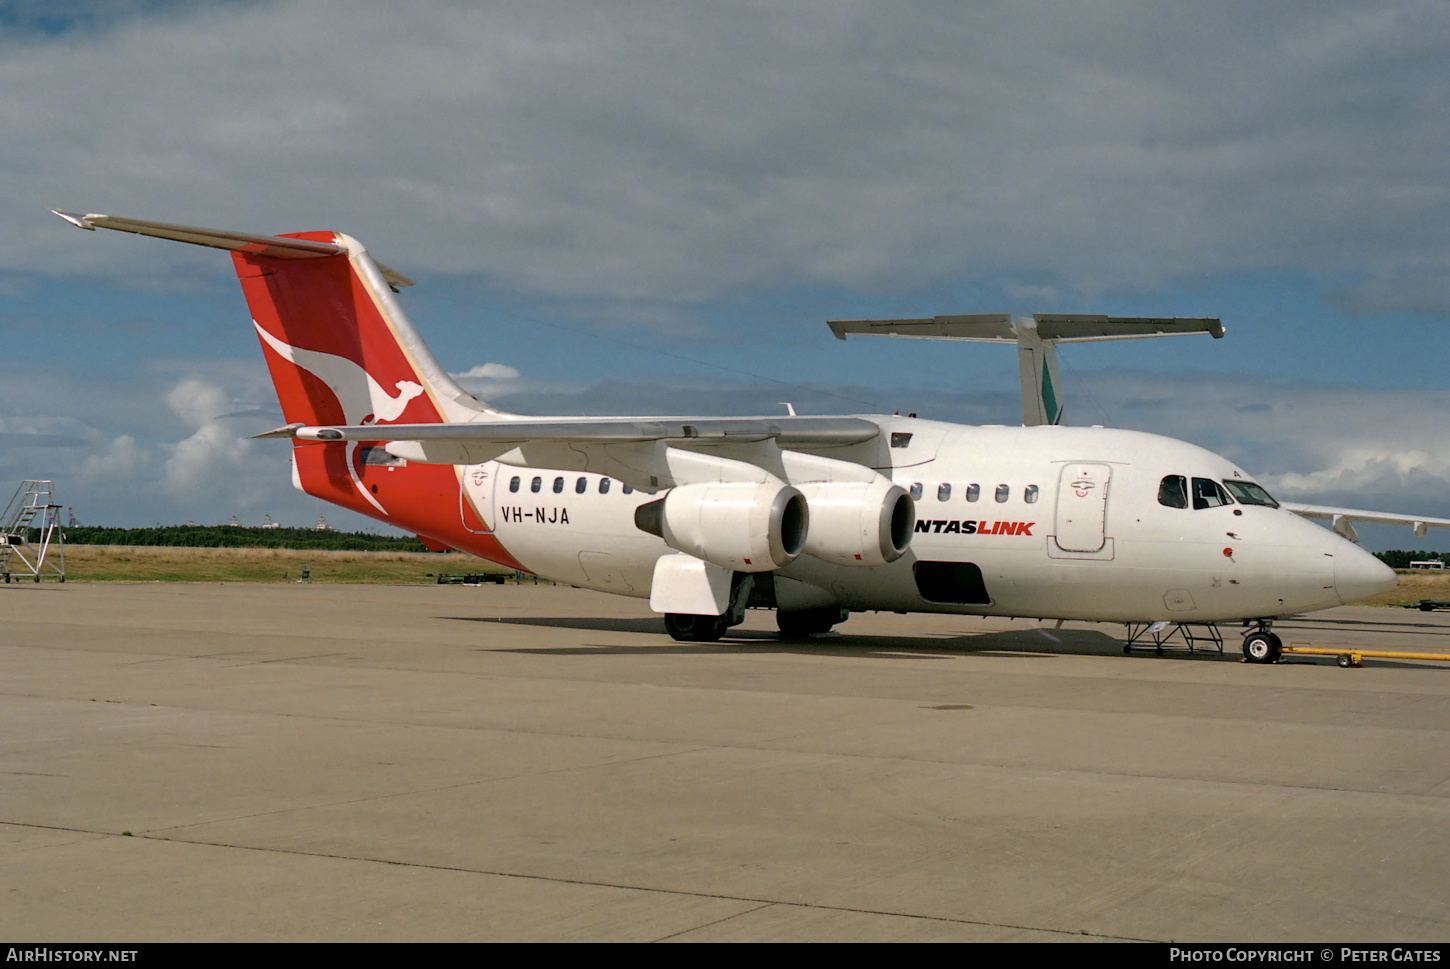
974	491
1173	491
559	486
537	485
900	438
627	489
581	486
1248	493
1208	494
1003	493
604	486
1030	495
514	484
943	492
916	491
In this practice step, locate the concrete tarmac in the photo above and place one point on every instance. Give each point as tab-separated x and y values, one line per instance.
320	762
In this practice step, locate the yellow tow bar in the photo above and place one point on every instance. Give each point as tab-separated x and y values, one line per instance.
1348	658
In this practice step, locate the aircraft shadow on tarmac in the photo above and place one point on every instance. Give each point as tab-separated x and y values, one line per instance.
1014	643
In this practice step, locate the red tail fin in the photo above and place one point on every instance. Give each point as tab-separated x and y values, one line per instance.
341	351
339	348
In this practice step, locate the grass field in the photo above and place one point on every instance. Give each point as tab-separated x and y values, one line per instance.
120	563
1413	587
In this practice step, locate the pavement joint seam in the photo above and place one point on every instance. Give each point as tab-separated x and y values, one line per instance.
761	903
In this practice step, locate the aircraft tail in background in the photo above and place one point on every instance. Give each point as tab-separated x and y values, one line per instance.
1037	338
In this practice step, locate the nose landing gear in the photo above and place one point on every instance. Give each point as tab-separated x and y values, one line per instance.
1262	646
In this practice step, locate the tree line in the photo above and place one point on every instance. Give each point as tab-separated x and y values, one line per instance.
234	536
1400	559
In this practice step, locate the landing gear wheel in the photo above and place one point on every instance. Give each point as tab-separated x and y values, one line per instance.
694	629
805	622
1262	647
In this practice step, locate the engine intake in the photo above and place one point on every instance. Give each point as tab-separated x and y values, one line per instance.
742	526
858	523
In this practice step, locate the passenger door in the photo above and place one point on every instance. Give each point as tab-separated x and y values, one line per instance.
1082	507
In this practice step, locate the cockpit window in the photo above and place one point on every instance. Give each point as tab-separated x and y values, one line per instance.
1173	491
1207	494
1249	493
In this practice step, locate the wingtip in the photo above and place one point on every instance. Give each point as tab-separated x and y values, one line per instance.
75	219
289	431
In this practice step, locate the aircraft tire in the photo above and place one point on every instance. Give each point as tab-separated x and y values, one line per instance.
694	629
805	622
1262	647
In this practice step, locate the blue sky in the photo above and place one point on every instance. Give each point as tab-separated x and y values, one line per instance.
649	207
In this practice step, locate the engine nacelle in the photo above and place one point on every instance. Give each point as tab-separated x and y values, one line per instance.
738	525
858	523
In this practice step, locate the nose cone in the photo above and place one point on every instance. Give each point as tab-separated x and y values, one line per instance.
1358	574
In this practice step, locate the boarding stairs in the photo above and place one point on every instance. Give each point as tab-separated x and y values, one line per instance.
1206	638
32	511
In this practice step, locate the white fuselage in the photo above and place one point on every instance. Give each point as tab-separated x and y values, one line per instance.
1059	522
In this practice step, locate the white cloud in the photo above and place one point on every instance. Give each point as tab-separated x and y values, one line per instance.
122	462
211	458
681	152
198	402
490	382
217	457
1360	447
488	371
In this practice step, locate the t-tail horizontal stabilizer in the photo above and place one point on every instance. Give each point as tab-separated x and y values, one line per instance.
275	247
1036	340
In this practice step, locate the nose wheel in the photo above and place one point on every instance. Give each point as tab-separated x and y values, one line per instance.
1262	646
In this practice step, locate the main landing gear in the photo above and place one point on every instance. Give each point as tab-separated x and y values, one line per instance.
807	622
753	590
696	629
686	628
792	625
1262	646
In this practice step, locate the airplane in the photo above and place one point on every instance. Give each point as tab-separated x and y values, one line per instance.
815	517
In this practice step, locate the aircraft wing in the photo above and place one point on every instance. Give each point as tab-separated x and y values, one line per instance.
820	432
647	453
1343	518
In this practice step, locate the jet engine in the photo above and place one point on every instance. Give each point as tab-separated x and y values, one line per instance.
738	525
858	523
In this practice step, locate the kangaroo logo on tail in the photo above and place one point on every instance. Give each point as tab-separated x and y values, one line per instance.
360	395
